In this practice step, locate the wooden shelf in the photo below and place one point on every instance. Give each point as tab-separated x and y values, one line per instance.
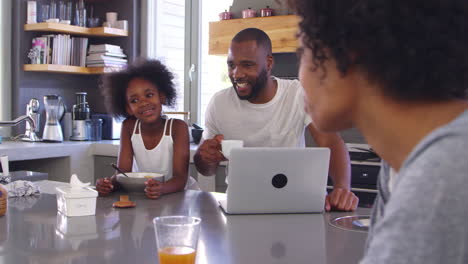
281	29
55	68
75	30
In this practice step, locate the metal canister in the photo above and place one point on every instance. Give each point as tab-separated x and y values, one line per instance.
248	13
265	12
225	15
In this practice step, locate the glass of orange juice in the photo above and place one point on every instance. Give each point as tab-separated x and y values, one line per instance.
177	238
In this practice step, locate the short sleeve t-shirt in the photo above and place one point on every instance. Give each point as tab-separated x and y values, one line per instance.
278	123
420	215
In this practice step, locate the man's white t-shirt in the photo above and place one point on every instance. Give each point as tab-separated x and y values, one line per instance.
278	123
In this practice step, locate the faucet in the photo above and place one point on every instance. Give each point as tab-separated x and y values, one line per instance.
32	137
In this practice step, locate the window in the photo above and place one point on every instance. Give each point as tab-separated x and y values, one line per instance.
5	65
168	43
214	74
177	34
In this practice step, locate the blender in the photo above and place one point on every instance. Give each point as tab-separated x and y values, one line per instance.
55	109
80	118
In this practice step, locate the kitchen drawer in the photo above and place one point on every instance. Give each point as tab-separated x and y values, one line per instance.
364	174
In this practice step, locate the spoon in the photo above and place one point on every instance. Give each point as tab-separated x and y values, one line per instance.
119	170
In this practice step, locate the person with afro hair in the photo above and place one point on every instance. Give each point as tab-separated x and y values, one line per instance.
149	142
398	71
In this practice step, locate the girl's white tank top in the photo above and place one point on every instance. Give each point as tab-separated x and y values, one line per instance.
160	158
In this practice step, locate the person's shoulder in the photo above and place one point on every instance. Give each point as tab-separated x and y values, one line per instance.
179	124
128	125
289	87
129	122
436	161
179	128
222	94
222	98
288	83
289	90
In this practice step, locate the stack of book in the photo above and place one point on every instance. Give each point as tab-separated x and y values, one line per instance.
59	49
106	55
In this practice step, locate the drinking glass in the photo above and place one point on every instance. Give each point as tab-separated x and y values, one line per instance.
62	10
177	238
96	130
44	12
81	15
53	9
69	11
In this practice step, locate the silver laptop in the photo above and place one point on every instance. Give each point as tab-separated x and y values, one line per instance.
276	180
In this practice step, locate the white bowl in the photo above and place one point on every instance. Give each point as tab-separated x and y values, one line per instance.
135	182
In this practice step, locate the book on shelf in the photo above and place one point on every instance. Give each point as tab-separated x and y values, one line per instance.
60	49
101	55
38	53
105	48
106	55
106	65
107	59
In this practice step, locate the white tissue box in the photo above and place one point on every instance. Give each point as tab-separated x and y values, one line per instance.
76	201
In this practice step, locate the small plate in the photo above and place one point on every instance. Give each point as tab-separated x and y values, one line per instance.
358	223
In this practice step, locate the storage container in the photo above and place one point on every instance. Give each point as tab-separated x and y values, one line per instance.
248	13
225	15
265	12
76	201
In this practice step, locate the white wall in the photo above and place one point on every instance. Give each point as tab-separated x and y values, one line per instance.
5	63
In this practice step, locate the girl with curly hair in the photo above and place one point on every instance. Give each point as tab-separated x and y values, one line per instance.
149	142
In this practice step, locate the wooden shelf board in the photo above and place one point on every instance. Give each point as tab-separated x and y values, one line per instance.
75	30
282	31
66	69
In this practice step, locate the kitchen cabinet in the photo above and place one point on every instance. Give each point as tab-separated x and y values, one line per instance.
35	81
281	29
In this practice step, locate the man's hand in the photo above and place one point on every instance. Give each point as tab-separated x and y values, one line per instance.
341	199
153	189
210	150
104	186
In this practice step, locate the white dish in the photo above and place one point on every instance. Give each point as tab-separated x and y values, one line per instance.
135	182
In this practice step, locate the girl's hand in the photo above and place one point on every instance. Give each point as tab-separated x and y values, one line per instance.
153	189
104	186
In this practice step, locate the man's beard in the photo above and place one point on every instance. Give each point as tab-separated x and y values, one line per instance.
260	84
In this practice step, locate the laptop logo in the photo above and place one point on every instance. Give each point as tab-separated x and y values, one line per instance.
279	181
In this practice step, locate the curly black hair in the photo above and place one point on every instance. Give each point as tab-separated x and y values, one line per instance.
114	85
415	49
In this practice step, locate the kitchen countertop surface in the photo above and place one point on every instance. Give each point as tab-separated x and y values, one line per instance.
20	150
33	232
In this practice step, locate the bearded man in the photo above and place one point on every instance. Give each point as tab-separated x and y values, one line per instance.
266	111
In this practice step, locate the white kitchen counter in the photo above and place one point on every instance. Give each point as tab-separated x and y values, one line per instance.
61	160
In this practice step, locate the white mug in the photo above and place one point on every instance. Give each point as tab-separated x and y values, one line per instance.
111	17
228	145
